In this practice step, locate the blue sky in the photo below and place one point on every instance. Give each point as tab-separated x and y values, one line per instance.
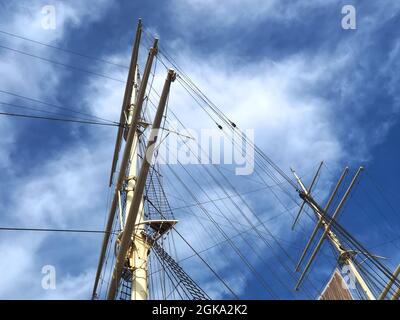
310	90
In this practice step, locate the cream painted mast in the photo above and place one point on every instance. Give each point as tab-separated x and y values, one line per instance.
133	243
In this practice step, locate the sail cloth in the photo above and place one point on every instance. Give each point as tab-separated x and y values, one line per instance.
336	289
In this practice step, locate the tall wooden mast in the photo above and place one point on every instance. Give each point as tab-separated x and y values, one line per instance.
323	221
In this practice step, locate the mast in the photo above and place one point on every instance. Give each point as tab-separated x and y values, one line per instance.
130	83
346	257
129	98
389	285
134	239
138	254
137	235
131	140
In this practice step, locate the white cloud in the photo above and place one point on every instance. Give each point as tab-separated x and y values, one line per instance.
18	256
225	14
25	17
64	191
271	98
7	144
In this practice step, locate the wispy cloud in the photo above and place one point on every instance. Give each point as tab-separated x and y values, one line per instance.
49	192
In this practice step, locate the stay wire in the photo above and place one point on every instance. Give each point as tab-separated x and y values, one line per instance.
52	105
241	135
205	262
54	230
19	115
340	229
222	174
234	227
216	180
61	64
13	105
62	49
208	265
220	114
234	247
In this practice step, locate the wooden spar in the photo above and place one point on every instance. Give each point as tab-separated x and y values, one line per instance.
327	228
389	285
309	191
138	193
319	224
125	158
130	82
